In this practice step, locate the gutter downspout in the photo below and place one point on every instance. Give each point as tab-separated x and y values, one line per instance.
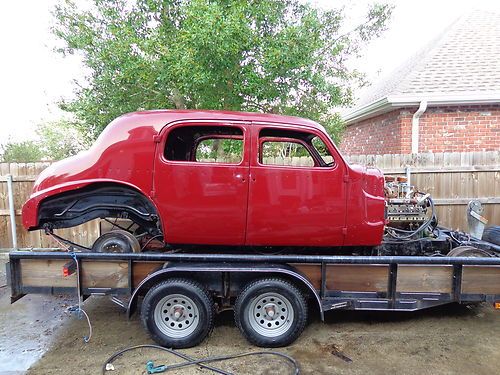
415	126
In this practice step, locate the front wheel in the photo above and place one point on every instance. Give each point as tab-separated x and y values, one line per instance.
271	312
178	313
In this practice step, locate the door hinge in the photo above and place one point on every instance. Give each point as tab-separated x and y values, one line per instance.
344	231
156	138
152	193
346	178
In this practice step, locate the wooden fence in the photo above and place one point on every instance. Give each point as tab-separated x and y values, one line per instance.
453	179
24	175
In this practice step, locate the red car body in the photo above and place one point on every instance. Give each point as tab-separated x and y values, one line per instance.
242	204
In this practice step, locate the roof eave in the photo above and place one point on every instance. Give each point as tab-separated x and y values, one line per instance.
389	103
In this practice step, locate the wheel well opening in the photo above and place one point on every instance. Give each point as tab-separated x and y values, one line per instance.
299	284
101	200
239	279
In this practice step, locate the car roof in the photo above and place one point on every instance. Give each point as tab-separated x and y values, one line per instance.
162	117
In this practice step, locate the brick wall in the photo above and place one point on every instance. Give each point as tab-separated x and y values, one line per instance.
449	129
380	134
442	129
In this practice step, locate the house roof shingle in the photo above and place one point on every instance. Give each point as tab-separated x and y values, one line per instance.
460	65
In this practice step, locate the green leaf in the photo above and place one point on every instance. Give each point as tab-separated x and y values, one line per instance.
280	56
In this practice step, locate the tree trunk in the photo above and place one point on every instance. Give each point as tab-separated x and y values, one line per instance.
178	99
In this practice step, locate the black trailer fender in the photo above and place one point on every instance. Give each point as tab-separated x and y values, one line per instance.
178	268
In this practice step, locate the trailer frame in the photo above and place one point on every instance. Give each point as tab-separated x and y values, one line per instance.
255	263
225	275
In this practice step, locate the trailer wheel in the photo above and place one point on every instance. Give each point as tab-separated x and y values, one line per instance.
271	312
178	313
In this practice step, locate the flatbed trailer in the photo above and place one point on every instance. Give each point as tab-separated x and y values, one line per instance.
268	292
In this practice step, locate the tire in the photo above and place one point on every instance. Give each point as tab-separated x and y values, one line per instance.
492	235
468	251
262	297
116	241
192	303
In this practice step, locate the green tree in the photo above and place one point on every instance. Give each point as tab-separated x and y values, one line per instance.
21	152
60	139
280	56
56	140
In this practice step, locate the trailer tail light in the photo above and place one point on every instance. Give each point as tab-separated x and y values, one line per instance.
497	305
69	268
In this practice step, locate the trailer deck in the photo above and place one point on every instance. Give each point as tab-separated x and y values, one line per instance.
347	282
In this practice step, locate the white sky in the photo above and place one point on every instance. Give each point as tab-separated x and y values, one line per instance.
34	78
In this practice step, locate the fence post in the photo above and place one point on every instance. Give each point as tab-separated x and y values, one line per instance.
12	211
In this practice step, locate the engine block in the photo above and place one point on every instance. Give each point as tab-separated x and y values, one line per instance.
404	205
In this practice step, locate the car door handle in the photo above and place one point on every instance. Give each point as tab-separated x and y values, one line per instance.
239	176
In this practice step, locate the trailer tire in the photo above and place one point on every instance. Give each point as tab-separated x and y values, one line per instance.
178	313
271	312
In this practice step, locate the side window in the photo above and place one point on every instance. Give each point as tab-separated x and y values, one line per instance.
322	150
207	144
289	153
219	150
293	148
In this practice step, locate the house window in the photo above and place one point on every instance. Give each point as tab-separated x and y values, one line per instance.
207	144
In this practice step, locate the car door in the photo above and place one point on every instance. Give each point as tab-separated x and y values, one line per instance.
201	183
296	196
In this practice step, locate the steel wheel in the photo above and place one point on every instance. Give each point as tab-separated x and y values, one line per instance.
177	316
178	313
271	312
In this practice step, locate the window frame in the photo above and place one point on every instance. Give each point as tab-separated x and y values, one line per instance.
168	128
217	136
263	140
319	163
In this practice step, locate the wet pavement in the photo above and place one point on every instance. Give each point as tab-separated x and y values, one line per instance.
28	327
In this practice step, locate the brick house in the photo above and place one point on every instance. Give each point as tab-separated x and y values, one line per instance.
446	98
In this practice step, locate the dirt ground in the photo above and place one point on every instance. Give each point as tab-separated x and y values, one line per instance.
451	339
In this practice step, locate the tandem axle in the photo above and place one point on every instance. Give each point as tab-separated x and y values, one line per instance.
182	292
